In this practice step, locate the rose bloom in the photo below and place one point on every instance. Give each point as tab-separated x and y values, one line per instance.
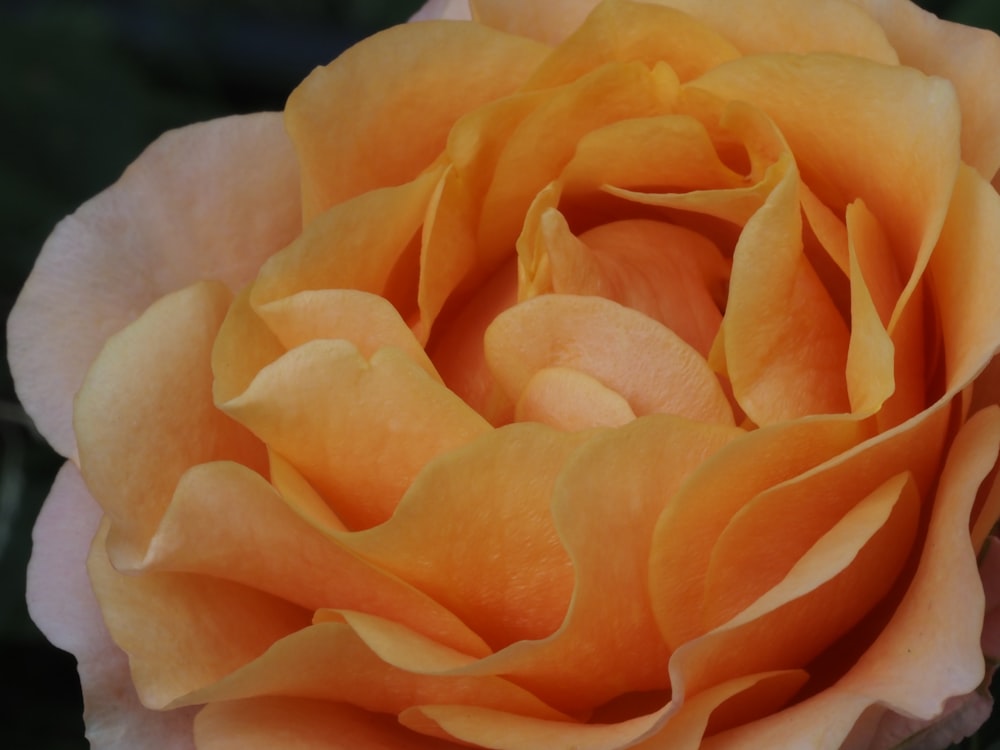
587	375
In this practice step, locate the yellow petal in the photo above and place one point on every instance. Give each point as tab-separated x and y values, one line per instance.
139	434
431	73
605	340
549	22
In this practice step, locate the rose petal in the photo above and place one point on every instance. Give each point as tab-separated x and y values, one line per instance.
786	345
613	487
301	724
457	10
62	604
330	661
935	630
757	26
335	415
965	55
130	468
626	31
550	22
210	201
965	277
571	400
181	631
221	510
434	72
904	140
605	340
479	538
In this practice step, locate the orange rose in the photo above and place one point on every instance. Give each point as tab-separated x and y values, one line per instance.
591	375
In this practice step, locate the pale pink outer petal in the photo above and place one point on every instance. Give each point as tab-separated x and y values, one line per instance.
209	201
457	10
62	604
989	569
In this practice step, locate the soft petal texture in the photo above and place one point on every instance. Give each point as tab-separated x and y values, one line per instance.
62	605
131	469
439	71
964	55
457	10
643	361
934	630
210	201
296	724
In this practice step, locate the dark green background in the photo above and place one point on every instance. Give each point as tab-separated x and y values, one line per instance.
84	87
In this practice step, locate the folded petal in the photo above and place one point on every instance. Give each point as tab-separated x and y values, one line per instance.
302	724
209	201
62	604
139	434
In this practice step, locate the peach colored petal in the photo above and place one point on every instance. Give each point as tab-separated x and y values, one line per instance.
669	273
966	56
745	139
137	435
812	504
457	345
301	724
210	201
912	134
677	154
479	538
222	510
733	701
757	26
965	278
488	728
433	10
431	73
544	142
786	345
645	362
571	400
243	346
62	604
301	496
870	356
705	503
619	31
827	592
549	22
613	487
330	661
183	632
366	320
352	246
935	629
358	430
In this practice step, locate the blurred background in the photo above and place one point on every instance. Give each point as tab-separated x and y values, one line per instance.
85	86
